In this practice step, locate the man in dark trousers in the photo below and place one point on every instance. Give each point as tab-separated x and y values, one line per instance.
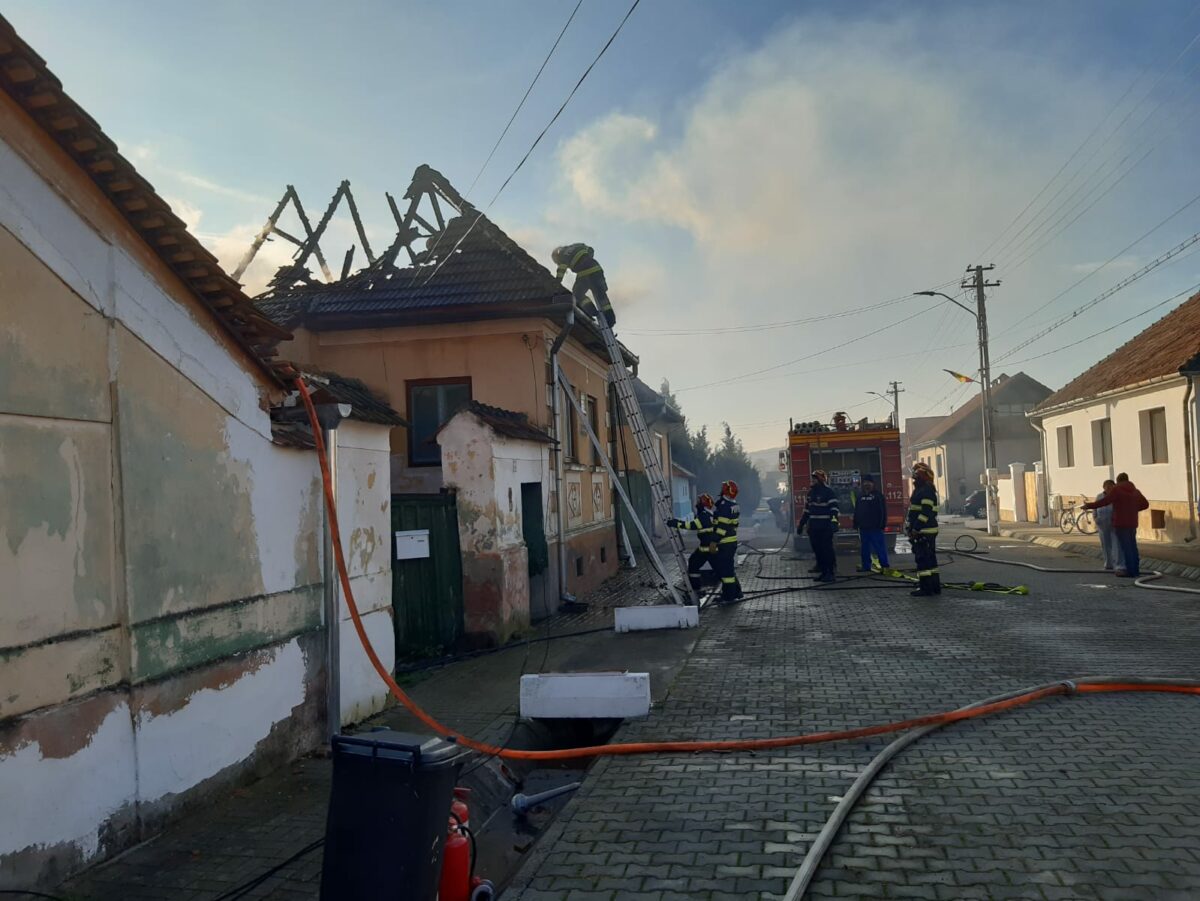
706	553
725	528
589	276
923	531
1126	502
821	518
870	518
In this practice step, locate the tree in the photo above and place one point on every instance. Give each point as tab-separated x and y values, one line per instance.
731	462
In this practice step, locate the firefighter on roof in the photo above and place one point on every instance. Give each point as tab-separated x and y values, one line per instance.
821	517
702	525
725	526
581	260
923	530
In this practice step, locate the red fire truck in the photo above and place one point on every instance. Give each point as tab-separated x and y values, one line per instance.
846	451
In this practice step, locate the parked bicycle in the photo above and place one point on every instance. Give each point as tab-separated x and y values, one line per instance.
1078	518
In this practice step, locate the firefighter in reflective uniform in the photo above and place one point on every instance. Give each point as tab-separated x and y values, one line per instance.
581	260
922	531
702	525
821	517
725	526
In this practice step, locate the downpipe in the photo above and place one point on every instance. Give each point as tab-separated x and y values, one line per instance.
1189	453
556	412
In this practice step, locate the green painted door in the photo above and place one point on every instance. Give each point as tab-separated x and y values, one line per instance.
427	593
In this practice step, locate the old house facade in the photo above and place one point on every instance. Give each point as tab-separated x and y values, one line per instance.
953	446
160	552
1134	411
475	321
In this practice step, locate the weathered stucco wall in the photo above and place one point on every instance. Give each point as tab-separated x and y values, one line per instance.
160	557
486	472
364	511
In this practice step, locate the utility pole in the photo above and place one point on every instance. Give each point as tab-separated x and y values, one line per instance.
978	281
896	392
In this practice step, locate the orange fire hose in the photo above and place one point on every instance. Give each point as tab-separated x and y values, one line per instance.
673	747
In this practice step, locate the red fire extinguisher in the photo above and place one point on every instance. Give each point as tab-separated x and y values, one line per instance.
458	882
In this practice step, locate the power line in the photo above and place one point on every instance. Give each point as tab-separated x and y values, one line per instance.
537	140
1124	283
1120	125
1030	248
746	375
528	91
781	324
441	234
1063	167
1111	259
1151	309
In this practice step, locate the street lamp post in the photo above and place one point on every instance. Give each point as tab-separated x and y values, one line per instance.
985	390
895	402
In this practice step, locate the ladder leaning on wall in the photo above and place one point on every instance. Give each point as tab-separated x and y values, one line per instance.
659	490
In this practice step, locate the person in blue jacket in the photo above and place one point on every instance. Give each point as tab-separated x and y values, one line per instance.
870	518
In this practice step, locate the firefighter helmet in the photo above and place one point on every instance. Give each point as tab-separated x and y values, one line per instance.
705	501
921	470
729	489
820	475
561	256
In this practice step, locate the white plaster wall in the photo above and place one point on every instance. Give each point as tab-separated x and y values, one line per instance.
514	463
467	468
364	514
217	728
283	487
363	691
1159	482
111	282
52	800
1007	494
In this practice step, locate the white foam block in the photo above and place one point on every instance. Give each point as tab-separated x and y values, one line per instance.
660	616
585	695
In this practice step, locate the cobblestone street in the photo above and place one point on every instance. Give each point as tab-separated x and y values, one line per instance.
1084	797
1081	797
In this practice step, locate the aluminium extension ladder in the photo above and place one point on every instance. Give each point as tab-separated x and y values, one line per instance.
659	489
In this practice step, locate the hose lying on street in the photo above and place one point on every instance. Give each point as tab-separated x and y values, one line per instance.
824	840
1142	581
656	747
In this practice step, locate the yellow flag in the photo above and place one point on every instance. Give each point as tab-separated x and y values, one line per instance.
958	375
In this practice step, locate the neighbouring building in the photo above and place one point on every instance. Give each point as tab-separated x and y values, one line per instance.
683	491
161	562
915	428
473	319
953	447
1134	411
663	422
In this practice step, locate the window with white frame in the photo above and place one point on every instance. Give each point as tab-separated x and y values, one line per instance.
1066	447
1102	442
1154	435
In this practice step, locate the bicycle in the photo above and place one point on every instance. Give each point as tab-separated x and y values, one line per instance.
1078	518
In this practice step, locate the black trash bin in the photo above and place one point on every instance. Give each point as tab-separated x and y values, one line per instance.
388	811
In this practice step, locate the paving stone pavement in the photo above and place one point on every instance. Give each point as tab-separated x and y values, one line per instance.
1083	797
251	829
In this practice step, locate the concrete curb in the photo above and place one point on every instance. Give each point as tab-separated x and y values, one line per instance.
1166	567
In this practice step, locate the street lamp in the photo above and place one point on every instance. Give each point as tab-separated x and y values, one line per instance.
985	386
895	402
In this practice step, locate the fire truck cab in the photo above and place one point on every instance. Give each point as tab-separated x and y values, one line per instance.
847	451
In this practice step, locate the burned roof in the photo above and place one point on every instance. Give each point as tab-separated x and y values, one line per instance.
476	267
507	423
1165	348
26	79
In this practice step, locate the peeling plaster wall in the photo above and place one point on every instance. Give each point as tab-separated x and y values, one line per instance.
160	558
364	510
507	362
486	473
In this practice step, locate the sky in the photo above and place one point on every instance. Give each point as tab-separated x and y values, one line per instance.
750	174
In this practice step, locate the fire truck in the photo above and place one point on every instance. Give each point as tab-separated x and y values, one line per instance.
847	451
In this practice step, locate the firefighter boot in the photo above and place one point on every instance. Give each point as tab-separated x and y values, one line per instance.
929	586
